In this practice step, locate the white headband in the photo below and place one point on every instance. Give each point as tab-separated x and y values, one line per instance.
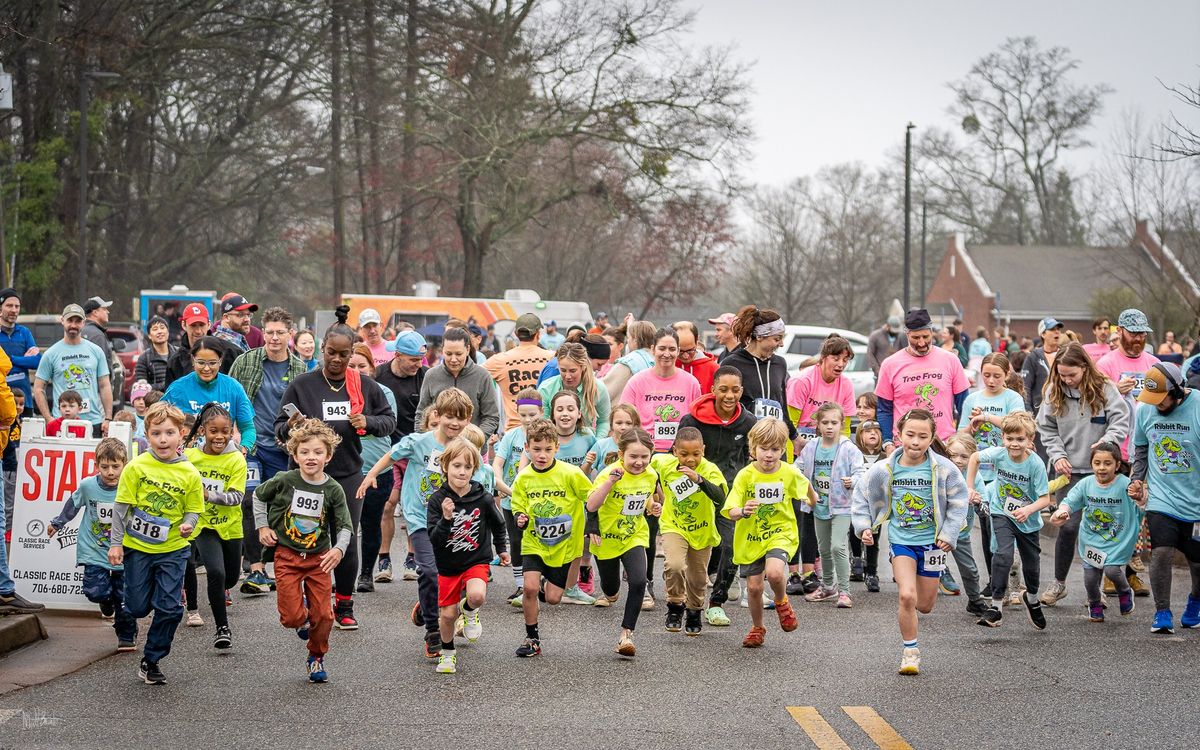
774	328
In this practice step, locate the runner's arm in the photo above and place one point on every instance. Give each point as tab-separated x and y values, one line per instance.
1141	455
884	409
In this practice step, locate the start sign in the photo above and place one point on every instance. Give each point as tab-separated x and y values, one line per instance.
49	469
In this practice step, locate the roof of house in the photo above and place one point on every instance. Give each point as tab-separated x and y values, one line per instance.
1042	280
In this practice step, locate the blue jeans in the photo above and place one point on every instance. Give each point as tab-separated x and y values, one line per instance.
271	461
7	587
103	585
155	582
427	578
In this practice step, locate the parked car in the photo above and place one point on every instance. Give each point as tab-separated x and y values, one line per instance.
127	345
858	371
802	342
47	330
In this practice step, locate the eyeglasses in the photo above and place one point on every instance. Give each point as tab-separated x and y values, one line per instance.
869	424
275	334
687	351
206	364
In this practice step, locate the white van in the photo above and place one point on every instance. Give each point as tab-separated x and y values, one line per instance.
803	342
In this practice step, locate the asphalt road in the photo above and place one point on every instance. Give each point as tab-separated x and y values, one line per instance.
1077	684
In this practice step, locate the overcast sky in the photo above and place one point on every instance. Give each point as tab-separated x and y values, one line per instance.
838	81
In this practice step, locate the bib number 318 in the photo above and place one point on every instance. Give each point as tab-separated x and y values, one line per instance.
935	559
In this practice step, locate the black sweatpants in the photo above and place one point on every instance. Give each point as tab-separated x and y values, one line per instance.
634	561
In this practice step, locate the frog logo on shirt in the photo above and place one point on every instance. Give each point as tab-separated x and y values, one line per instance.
159	502
626	526
763	513
430	483
1171	457
1008	490
666	413
925	393
544	509
1102	523
910	508
685	506
76	377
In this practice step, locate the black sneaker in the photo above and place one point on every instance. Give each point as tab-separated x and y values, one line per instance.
433	644
692	622
366	584
991	618
531	647
674	617
224	637
856	570
151	674
977	607
811	583
1036	616
125	645
107	609
795	584
872	582
15	604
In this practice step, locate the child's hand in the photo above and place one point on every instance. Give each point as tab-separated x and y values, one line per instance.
185	530
750	506
1136	489
266	537
847	482
50	532
594	540
1021	515
888	449
868	538
522	520
505	559
690	474
448	509
1059	517
655	508
616	474
943	545
975	498
116	555
590	458
976	412
368	483
330	560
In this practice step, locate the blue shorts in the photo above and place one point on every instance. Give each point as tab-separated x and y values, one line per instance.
917	552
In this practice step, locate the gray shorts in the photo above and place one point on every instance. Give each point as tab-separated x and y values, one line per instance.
759	566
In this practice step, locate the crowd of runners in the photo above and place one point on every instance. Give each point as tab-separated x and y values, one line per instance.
295	462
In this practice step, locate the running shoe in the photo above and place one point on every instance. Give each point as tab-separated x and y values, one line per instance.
194	620
691	622
1137	564
1126	601
1096	612
872	582
365	584
410	568
588	587
495	561
1051	595
716	617
787	616
1036	615
416	617
257	583
107	609
516	597
224	637
844	601
383	570
472	627
1191	613
910	662
674	622
744	600
1016	598
822	595
811	582
531	647
604	601
1164	622
856	570
574	596
794	584
991	618
446	662
1110	588
625	646
1138	586
433	644
343	617
648	602
948	585
302	631
977	607
228	598
316	669
735	589
150	673
768	602
754	639
124	645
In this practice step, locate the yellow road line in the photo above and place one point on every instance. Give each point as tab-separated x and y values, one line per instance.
876	728
817	729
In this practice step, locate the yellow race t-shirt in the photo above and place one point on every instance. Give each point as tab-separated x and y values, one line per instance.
687	511
773	524
223	473
159	495
623	515
554	500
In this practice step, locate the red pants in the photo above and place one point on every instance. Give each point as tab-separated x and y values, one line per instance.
298	576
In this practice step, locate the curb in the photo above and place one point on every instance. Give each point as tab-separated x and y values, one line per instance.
20	630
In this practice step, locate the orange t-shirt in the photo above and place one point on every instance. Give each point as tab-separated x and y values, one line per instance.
514	370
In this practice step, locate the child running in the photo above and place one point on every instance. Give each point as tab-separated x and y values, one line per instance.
624	418
548	502
984	410
103	582
1016	500
464	524
864	559
832	465
159	500
764	502
295	512
922	497
574	444
505	464
218	537
960	447
1109	530
693	488
624	493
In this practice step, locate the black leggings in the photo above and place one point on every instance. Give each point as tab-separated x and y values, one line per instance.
634	561
808	551
652	550
1068	535
222	559
871	564
345	575
724	569
372	517
1027	544
514	536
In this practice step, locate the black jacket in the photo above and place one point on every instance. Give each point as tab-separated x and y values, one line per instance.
1035	372
757	373
725	444
468	538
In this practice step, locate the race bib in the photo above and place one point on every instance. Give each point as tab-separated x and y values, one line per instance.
987	471
806	433
104	513
335	411
665	430
434	464
1196	530
935	559
552	530
767	408
1094	557
1139	380
683	487
253	473
1012	506
148	528
821	483
635	505
86	406
212	485
767	493
307	503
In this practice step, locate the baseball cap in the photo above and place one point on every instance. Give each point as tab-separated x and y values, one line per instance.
408	342
893	321
1134	321
917	319
73	311
723	318
192	312
475	330
368	315
1161	379
551	323
234	301
1048	324
529	323
139	389
95	303
600	315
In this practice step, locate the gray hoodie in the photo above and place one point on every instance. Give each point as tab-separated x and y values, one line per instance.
475	382
1072	434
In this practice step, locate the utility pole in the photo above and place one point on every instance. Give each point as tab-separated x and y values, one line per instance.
923	277
907	213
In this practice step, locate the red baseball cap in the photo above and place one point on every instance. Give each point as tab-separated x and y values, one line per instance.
194	312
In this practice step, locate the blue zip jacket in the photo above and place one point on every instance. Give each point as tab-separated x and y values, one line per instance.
15	345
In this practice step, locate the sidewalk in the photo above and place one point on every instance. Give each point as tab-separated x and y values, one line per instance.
74	641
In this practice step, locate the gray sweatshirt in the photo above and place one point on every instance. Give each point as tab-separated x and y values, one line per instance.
476	382
1072	434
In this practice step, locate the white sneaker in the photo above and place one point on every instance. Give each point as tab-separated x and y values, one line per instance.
575	595
743	601
910	663
735	589
194	620
1053	593
472	628
648	599
446	662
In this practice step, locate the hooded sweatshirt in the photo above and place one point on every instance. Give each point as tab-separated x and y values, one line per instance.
763	381
725	442
1072	434
475	382
467	539
702	367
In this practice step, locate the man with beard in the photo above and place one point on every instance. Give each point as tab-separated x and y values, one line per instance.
920	376
1126	366
17	342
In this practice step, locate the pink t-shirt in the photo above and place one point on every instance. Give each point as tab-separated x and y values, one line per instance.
380	353
809	390
661	403
1115	365
1096	351
928	382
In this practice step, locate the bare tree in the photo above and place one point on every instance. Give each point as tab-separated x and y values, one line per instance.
778	259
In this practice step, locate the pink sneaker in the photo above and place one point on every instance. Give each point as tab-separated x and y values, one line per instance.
822	595
587	587
844	601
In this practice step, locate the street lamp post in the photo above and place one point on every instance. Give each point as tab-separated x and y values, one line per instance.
84	97
907	211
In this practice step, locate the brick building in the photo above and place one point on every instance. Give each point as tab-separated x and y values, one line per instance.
1018	285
